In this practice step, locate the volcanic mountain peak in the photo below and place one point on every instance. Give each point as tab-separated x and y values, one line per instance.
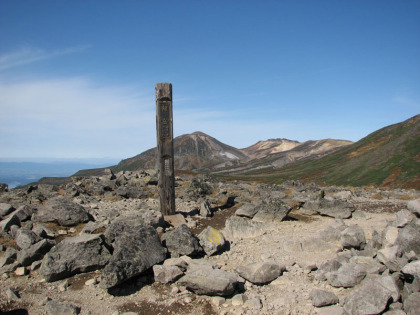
264	148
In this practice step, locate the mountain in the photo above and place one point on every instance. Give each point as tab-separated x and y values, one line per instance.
389	157
196	151
269	155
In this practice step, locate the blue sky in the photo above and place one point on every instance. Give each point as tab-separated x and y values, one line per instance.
77	77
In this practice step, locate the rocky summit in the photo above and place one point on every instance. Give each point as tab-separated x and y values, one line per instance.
99	245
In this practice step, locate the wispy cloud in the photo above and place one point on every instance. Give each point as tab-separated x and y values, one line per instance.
29	55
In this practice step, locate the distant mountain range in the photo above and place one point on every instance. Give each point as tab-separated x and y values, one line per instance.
389	157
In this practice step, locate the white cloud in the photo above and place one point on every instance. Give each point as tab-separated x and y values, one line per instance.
29	55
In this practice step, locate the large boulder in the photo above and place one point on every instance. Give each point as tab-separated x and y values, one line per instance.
209	281
181	241
74	255
61	211
5	209
371	297
353	237
272	210
211	240
338	209
347	276
238	228
260	273
137	249
409	239
25	238
249	209
128	222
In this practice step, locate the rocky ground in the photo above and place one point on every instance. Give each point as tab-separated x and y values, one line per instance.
101	246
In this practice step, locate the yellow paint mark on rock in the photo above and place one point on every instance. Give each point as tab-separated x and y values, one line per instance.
215	236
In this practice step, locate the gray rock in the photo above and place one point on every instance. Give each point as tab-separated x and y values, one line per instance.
353	237
272	210
414	207
411	270
371	297
127	223
211	240
137	249
181	241
6	224
205	209
389	236
238	228
403	218
390	257
61	308
347	276
409	239
9	257
260	273
74	255
412	304
209	281
332	208
36	252
323	298
333	232
12	294
249	210
166	274
25	238
395	312
24	212
5	209
62	211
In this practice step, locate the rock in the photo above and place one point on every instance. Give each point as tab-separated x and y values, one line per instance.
333	232
5	209
178	262
347	276
389	256
272	210
62	211
353	237
332	208
21	271
175	219
330	310
238	228
9	257
25	238
6	224
74	255
36	252
411	270
412	304
137	249
238	299
217	301
181	241
403	218
166	274
61	308
209	281
323	298
205	209
371	297
414	207
260	273
24	212
409	239
211	240
389	236
249	210
123	223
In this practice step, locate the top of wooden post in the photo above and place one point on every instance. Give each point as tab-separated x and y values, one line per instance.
163	91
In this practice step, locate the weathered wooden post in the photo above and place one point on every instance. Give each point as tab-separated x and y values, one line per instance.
165	158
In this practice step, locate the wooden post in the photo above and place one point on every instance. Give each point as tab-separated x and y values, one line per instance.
165	158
